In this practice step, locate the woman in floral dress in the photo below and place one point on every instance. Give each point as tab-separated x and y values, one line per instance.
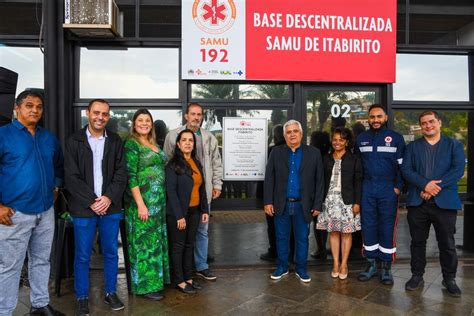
145	209
341	207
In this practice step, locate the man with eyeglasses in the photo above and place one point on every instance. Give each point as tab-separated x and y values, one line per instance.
381	150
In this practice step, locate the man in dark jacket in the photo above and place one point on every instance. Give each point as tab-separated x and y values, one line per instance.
432	166
96	177
293	194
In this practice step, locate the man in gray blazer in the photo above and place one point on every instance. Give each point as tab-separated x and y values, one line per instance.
293	194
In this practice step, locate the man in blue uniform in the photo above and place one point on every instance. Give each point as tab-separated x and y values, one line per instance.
381	151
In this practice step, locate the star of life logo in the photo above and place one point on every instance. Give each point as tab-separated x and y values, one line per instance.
214	16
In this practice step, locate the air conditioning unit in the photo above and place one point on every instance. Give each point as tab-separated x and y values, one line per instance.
93	18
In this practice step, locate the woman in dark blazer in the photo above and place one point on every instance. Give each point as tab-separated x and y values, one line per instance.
342	194
186	206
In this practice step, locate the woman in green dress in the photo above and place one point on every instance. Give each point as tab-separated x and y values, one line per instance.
145	209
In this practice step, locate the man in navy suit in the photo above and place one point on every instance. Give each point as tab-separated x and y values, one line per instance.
432	166
293	194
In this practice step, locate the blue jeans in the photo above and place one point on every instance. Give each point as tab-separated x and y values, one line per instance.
202	245
32	233
292	215
84	232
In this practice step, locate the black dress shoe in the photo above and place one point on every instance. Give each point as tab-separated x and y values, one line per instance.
46	311
188	289
451	286
414	283
195	285
154	296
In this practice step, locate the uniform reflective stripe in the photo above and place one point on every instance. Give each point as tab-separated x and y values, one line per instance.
371	248
387	149
387	250
365	149
400	161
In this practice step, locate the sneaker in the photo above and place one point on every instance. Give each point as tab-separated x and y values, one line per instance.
206	274
82	307
303	276
414	283
46	310
386	276
369	272
451	286
278	274
114	302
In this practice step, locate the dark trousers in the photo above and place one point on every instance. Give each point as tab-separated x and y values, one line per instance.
182	245
272	238
420	219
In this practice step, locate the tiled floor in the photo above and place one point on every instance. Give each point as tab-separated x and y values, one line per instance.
244	287
251	292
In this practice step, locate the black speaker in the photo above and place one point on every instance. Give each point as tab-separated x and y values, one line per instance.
8	82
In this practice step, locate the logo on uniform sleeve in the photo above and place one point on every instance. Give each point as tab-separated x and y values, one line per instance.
388	140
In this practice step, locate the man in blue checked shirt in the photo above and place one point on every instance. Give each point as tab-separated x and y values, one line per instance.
31	169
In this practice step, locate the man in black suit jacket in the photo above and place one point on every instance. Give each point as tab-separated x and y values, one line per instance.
293	193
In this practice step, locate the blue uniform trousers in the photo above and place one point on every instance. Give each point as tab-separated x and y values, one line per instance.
379	217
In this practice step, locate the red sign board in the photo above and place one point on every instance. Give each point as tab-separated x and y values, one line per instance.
300	40
338	40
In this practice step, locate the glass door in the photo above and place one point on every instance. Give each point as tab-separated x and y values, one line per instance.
328	108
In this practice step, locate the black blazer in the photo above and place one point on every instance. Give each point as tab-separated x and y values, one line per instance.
179	189
79	173
311	177
351	177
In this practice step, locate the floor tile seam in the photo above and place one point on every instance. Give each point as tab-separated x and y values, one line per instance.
263	293
281	297
365	303
363	299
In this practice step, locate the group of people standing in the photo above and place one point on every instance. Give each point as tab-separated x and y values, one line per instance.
167	193
166	196
356	186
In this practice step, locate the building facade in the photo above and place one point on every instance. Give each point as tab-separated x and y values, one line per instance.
435	70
